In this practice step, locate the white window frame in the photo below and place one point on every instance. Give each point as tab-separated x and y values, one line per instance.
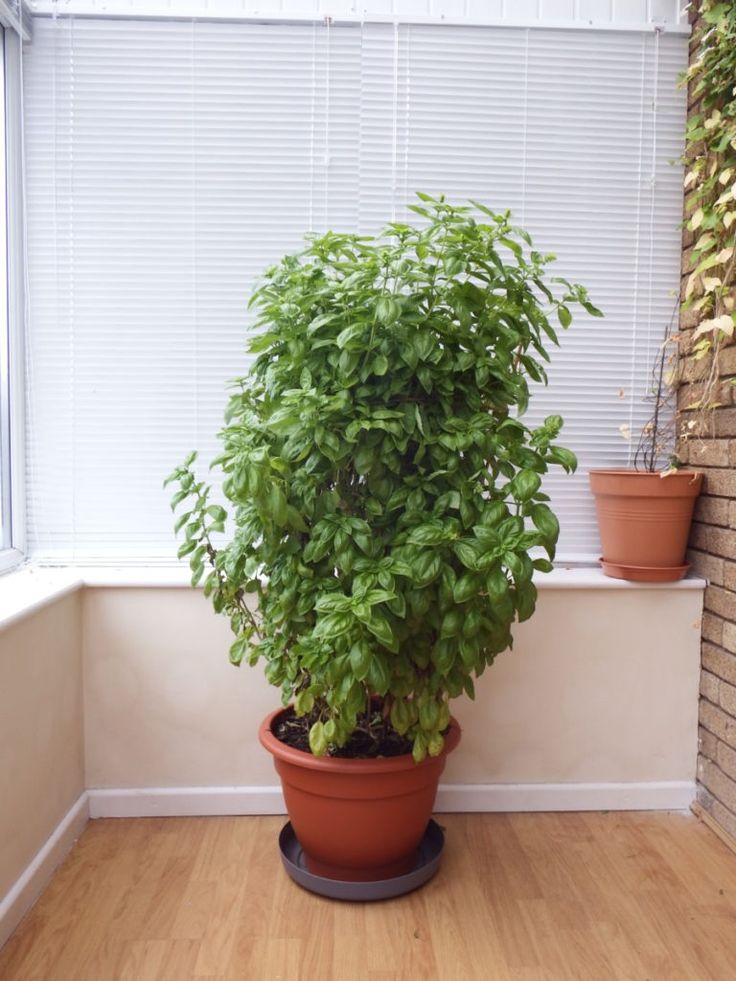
15	29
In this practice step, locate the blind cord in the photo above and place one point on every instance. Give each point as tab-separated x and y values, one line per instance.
525	128
328	84
395	122
637	255
312	115
653	188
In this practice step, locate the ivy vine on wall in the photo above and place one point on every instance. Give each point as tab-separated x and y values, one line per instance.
710	181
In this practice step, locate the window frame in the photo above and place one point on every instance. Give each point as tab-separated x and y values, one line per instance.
12	303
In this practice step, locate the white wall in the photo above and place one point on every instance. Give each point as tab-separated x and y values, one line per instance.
41	731
601	687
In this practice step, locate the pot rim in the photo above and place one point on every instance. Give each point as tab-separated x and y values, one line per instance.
613	483
383	764
694	475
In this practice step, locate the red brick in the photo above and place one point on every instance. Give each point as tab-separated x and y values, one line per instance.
717	541
709	453
728	640
729	575
726	760
720	601
724	422
727	361
717	811
712	510
690	394
727	698
718	783
707	744
690	318
719	663
715	720
685	267
720	483
710	567
713	629
709	687
692	370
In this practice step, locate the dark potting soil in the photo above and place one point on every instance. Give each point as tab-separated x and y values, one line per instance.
373	738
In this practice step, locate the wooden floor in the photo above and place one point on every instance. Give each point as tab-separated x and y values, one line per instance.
614	896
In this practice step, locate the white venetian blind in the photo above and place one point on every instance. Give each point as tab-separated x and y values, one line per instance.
170	162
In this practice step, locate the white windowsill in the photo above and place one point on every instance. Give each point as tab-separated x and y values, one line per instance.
573	577
30	588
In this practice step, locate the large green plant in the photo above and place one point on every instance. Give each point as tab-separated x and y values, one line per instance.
385	494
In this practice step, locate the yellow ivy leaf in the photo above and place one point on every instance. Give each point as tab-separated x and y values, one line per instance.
725	175
714	120
702	350
723	323
711	283
696	219
729	218
725	254
704	241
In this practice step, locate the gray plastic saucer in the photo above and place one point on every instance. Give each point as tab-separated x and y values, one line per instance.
425	866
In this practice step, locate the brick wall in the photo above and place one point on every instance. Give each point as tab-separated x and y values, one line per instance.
713	555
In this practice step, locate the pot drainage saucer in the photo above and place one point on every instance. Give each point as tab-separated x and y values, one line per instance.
644	573
425	865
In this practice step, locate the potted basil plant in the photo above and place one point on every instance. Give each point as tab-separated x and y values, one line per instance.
385	509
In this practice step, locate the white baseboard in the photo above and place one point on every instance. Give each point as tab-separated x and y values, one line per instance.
676	795
185	801
33	881
192	801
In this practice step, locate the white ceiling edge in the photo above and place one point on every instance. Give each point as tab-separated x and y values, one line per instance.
609	15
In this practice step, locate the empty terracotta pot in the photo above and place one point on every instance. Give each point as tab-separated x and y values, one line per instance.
644	521
357	820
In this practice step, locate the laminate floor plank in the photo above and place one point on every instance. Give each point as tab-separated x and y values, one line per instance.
519	897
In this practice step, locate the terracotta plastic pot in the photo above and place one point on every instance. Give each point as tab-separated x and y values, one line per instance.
357	820
644	521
